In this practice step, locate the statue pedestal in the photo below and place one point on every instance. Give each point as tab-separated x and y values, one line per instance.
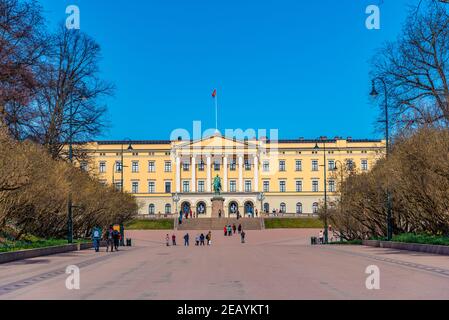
217	206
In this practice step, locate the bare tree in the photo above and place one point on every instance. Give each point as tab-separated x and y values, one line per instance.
416	70
22	47
71	94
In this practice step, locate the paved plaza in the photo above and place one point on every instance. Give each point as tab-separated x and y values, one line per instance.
273	264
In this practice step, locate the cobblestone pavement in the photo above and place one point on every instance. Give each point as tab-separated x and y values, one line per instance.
272	264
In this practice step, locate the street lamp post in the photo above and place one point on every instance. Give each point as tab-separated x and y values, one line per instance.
341	188
69	202
261	198
374	93
326	226
130	148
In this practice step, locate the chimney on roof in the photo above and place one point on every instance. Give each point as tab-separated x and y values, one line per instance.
349	138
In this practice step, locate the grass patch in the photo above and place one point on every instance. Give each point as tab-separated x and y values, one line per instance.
422	239
11	246
162	224
290	223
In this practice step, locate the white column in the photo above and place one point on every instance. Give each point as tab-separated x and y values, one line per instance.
178	174
225	174
256	174
209	179
240	173
193	168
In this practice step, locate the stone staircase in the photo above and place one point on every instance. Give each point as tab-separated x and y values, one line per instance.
206	224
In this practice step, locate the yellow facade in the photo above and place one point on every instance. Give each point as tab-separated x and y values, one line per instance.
257	175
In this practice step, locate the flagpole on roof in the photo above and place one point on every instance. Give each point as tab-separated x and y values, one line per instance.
216	113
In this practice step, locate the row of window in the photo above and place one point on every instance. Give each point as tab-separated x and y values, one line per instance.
248	186
283	208
332	165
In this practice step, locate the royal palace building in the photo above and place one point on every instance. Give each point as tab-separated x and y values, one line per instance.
287	176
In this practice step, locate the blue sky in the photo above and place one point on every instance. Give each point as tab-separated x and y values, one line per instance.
294	65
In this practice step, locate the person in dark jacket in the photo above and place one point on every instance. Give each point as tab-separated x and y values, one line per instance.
186	240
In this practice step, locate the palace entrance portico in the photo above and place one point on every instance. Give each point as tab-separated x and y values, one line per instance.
200	203
197	163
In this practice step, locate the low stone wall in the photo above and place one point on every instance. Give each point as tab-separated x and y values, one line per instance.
424	248
33	253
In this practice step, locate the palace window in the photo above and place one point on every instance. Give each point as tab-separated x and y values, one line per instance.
167	187
283	208
247	165
151	166
331	165
102	167
298	165
266	166
83	165
282	186
248	186
233	165
135	166
315	186
266	186
315	166
282	165
350	164
151	209
217	166
118	186
186	166
135	187
201	166
364	165
200	186
332	187
186	187
151	187
299	208
167	167
118	166
315	208
299	186
168	209
233	186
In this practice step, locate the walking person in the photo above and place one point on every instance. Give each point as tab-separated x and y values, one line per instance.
197	240
109	239
238	214
116	239
186	240
209	238
229	230
243	235
234	228
225	229
240	229
167	240
202	239
96	238
321	237
219	214
173	239
257	213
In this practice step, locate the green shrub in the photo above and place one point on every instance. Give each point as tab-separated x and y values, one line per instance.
422	239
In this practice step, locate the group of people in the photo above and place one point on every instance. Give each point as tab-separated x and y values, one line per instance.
200	240
111	236
232	230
